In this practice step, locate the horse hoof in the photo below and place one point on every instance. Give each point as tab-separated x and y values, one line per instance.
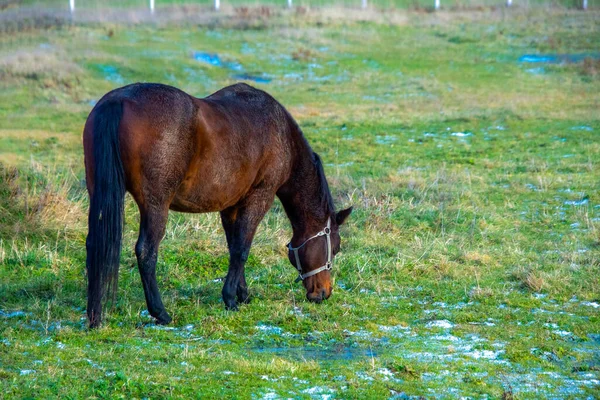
94	325
231	306
164	319
244	300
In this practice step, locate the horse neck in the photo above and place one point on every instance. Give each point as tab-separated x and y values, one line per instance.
302	200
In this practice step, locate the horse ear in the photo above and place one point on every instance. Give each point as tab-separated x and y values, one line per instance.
341	216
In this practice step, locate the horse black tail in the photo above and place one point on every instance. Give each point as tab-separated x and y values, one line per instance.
105	220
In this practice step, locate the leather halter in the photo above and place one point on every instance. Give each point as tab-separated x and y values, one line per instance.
327	267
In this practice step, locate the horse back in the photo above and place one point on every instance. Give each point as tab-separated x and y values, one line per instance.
199	155
243	144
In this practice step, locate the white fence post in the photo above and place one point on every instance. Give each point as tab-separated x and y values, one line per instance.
217	4
151	6
584	5
72	6
508	3
364	4
437	4
289	3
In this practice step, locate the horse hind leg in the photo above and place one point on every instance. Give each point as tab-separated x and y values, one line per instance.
152	230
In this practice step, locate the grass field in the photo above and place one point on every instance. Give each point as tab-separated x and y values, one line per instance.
399	4
469	268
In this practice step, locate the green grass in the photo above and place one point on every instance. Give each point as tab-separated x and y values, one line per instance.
469	267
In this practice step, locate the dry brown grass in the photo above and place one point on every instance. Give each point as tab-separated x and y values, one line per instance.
534	281
590	67
30	202
28	18
48	65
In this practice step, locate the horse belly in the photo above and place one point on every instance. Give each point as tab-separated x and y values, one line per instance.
211	190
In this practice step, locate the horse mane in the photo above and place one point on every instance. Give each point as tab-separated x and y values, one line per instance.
325	198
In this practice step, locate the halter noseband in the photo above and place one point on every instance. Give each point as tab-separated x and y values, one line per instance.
327	267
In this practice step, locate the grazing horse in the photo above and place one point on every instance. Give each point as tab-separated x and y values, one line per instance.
231	152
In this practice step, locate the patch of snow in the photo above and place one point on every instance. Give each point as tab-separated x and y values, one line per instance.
427	356
582	128
298	311
590	304
12	314
161	327
486	354
93	364
363	376
447	337
562	333
269	329
387	374
318	390
361	333
551	325
536	71
27	371
387	139
395	330
443	323
461	134
581	202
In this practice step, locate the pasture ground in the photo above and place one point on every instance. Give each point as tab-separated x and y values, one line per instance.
469	267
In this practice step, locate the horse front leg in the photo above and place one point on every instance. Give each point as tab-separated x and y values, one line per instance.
242	291
240	223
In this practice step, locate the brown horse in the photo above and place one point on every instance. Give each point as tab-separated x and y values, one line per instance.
231	152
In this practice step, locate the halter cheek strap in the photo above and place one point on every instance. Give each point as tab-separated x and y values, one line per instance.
327	267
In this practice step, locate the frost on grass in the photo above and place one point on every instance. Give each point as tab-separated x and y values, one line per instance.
582	128
269	329
396	330
446	337
364	376
270	396
590	304
27	371
461	134
319	392
12	314
387	139
486	354
576	203
363	334
442	323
